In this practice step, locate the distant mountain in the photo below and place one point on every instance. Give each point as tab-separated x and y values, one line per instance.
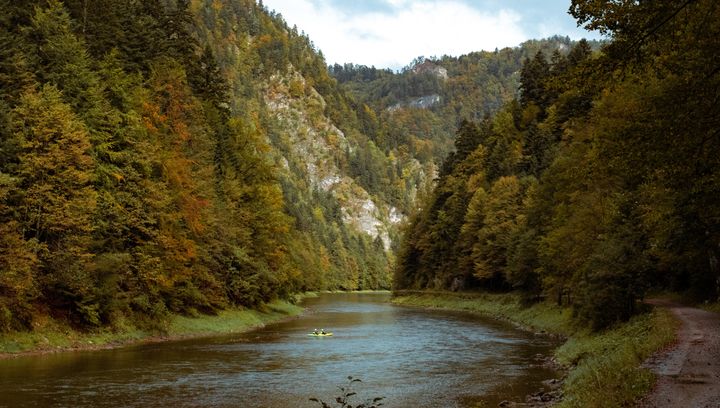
448	89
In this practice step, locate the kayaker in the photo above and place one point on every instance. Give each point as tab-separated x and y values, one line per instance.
322	331
316	332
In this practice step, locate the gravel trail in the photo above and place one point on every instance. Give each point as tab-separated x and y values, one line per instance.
689	373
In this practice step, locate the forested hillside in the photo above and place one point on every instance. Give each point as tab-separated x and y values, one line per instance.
164	157
180	156
342	229
185	156
599	182
418	109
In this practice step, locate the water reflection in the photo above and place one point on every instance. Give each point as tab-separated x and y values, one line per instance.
412	357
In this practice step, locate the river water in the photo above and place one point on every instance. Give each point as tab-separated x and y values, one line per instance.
412	357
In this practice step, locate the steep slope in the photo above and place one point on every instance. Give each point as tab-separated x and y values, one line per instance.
314	131
317	148
204	157
168	157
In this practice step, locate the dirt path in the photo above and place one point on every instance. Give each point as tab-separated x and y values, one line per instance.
689	373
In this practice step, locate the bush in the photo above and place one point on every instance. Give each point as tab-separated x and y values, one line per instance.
343	401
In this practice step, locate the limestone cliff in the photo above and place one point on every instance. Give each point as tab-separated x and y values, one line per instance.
313	141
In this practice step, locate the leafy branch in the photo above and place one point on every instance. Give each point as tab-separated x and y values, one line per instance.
343	401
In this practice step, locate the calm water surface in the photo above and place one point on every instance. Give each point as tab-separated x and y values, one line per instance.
412	357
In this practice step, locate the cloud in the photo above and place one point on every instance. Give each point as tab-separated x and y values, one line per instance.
393	36
397	3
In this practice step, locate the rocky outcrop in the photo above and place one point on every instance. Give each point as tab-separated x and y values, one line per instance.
423	102
314	144
428	66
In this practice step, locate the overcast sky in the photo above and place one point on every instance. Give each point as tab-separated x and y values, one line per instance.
391	33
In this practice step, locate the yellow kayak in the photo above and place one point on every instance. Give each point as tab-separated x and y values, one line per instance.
320	334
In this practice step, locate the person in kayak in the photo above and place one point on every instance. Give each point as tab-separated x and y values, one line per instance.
322	331
316	332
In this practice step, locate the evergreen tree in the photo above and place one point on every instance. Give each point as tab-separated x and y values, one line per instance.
499	226
533	78
56	199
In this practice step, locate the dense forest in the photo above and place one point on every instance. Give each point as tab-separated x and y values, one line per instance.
598	183
177	156
185	156
140	167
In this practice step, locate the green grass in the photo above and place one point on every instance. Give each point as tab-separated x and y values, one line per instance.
542	317
603	368
607	370
51	335
231	321
686	299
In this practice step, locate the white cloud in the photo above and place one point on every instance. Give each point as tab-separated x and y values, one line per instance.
397	3
427	27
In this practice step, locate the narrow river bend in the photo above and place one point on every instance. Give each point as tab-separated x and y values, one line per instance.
412	357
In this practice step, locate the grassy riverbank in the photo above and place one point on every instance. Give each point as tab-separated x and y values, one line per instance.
603	368
51	335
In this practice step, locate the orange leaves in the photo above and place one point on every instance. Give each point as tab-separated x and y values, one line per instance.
182	130
17	261
153	119
175	116
171	114
264	40
191	208
179	175
180	109
177	171
178	249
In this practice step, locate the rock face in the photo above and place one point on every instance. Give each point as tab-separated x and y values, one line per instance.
423	102
315	145
364	215
316	141
430	67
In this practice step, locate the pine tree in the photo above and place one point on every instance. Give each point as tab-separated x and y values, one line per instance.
533	75
499	226
15	74
62	59
56	199
18	264
467	138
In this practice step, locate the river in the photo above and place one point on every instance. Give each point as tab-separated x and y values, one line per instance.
412	357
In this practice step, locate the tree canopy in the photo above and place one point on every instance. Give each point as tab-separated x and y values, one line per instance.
600	184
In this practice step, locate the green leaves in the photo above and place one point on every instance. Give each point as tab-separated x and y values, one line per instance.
624	148
344	400
56	199
125	187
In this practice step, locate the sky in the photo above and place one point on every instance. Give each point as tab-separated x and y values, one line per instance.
391	33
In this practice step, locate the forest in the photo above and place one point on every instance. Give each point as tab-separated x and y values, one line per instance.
137	175
183	157
598	183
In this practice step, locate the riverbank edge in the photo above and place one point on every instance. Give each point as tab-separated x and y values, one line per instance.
55	337
602	369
